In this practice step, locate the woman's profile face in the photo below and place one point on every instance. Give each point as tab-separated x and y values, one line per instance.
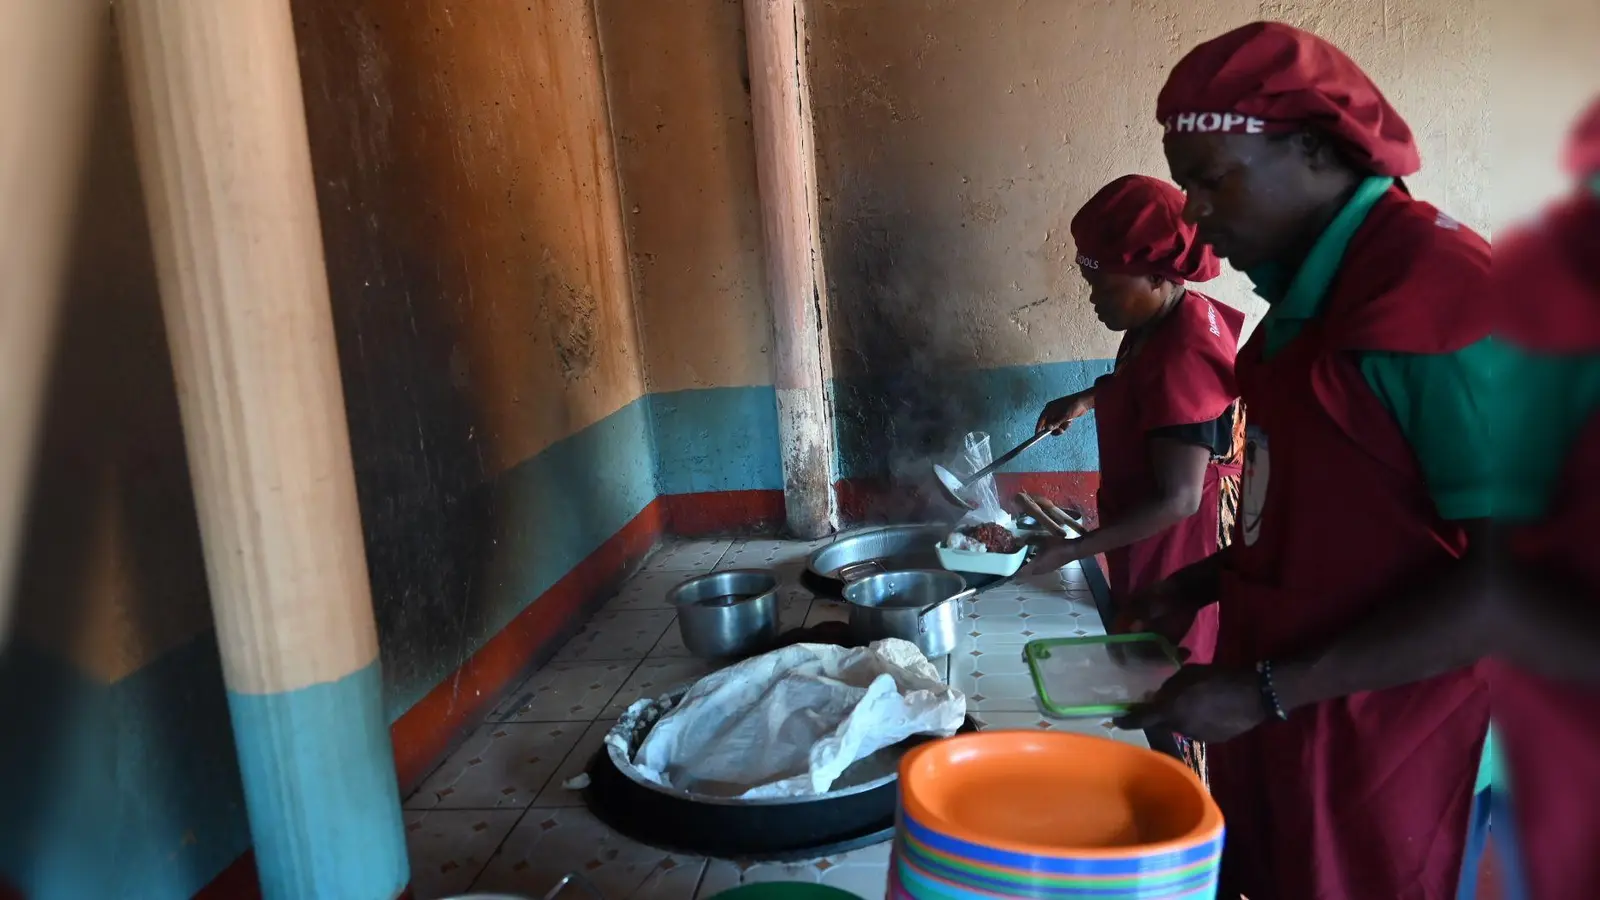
1122	302
1249	197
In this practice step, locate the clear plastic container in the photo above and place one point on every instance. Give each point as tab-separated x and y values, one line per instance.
1103	675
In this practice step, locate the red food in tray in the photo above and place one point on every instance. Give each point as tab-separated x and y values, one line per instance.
995	538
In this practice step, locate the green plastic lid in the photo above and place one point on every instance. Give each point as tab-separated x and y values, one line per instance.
1102	675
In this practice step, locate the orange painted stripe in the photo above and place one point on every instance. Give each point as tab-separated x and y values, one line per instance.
430	729
721	512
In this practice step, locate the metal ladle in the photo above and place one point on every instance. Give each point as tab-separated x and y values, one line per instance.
953	484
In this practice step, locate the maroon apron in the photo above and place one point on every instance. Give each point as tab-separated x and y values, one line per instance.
1182	374
1365	796
1550	732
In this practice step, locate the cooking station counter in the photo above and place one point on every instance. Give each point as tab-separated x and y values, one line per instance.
496	816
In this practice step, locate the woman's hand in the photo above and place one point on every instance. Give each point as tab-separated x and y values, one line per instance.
1059	413
1052	554
1167	608
1203	702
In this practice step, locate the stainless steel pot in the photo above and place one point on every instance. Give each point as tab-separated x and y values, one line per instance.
922	606
728	614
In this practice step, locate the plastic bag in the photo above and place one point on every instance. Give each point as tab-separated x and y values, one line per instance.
789	722
985	492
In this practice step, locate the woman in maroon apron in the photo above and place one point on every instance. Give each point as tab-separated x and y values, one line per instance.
1169	425
1546	687
1343	739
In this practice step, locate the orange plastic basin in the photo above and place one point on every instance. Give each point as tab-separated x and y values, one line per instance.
1056	794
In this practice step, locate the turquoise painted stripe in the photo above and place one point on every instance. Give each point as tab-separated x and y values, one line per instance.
717	439
551	512
320	787
928	421
127	790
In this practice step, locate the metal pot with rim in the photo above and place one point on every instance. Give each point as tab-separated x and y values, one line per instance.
727	614
922	606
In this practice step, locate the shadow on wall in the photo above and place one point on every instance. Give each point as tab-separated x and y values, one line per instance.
116	756
471	301
415	434
904	346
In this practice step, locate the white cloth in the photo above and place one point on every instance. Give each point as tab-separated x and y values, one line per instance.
789	722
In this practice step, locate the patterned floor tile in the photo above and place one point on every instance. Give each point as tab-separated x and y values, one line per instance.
449	848
827	611
617	636
989	719
794	605
549	843
646	590
671	644
864	873
502	766
1090	625
993	607
1008	661
1028	626
598	675
1050	605
1070	580
565	692
688	556
555	792
787	556
1004	693
655	677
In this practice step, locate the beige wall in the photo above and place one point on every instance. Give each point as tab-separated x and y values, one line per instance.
680	106
957	139
1545	73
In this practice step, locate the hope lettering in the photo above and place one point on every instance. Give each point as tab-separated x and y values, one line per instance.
1209	122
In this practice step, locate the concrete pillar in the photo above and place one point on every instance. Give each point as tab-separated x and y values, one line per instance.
780	101
48	56
221	137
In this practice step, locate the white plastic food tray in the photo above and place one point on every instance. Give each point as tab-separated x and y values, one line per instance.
1003	564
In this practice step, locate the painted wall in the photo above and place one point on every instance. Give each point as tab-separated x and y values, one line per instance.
495	388
957	140
543	246
481	293
678	85
117	759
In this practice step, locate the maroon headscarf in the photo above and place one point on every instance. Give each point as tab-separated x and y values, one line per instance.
1268	77
1583	144
1135	226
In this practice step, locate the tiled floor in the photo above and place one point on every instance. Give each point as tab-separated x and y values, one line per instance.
496	817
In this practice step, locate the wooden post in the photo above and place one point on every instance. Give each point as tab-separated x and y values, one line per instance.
223	154
780	101
48	55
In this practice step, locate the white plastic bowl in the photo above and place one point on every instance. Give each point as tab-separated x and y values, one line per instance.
1002	564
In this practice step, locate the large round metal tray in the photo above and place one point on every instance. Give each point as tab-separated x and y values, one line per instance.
833	823
895	548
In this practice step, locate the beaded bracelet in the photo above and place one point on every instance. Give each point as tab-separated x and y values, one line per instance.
1269	693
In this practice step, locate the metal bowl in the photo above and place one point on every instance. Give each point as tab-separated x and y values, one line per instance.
914	605
892	548
728	614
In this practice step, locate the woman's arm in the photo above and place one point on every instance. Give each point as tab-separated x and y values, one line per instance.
1548	623
1179	471
1426	629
